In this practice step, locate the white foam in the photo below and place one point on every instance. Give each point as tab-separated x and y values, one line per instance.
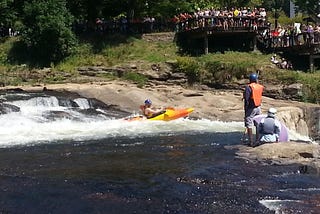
32	124
294	136
82	103
278	205
29	126
37	101
312	189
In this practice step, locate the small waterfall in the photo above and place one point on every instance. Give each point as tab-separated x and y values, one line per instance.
37	101
82	103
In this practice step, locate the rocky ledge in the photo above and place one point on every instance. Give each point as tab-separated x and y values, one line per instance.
223	104
305	154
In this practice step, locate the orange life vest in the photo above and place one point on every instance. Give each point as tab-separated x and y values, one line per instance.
256	94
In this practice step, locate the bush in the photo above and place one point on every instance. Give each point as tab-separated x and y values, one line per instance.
310	82
311	87
139	79
214	69
226	72
47	31
190	67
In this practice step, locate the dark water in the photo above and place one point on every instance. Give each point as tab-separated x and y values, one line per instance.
174	173
61	153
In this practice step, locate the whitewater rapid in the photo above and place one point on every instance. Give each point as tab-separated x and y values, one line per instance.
16	129
43	119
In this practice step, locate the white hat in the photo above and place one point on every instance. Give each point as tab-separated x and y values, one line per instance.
272	112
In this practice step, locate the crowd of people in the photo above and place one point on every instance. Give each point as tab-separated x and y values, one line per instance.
291	35
224	18
123	25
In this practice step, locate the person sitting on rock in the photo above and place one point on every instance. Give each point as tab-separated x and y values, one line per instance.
283	64
274	59
150	112
269	128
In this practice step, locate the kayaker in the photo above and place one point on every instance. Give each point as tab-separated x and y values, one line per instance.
252	97
150	112
269	128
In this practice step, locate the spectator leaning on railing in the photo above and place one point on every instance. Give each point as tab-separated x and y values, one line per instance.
224	18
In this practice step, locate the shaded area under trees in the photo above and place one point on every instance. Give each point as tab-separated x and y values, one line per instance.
46	29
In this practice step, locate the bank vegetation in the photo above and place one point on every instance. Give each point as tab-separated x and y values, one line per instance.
215	70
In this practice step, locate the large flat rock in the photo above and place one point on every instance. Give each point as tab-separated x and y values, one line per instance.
209	104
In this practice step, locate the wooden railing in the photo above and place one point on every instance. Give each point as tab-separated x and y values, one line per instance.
221	23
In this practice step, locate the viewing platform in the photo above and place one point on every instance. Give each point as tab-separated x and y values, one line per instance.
212	33
218	34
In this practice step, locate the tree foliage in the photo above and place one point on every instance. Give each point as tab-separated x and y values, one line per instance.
47	33
7	12
90	10
47	29
311	6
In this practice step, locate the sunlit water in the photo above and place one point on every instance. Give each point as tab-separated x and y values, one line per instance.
67	158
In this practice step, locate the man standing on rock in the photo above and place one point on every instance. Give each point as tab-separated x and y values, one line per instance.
252	97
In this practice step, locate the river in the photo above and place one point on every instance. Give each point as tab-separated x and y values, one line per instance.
62	154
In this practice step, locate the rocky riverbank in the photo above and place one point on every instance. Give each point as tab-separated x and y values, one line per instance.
223	105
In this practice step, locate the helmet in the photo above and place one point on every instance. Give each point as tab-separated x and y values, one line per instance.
272	112
148	102
253	77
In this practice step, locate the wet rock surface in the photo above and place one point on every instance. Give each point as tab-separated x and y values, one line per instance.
305	154
223	105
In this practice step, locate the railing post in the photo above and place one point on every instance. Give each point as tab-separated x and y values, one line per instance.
206	44
255	43
311	60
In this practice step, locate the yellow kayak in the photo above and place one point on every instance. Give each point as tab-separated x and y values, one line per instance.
167	115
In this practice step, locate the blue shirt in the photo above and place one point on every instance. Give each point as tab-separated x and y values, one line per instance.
248	101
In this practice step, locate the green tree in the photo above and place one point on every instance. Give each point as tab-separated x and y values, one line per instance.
47	30
90	10
78	9
7	14
310	6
